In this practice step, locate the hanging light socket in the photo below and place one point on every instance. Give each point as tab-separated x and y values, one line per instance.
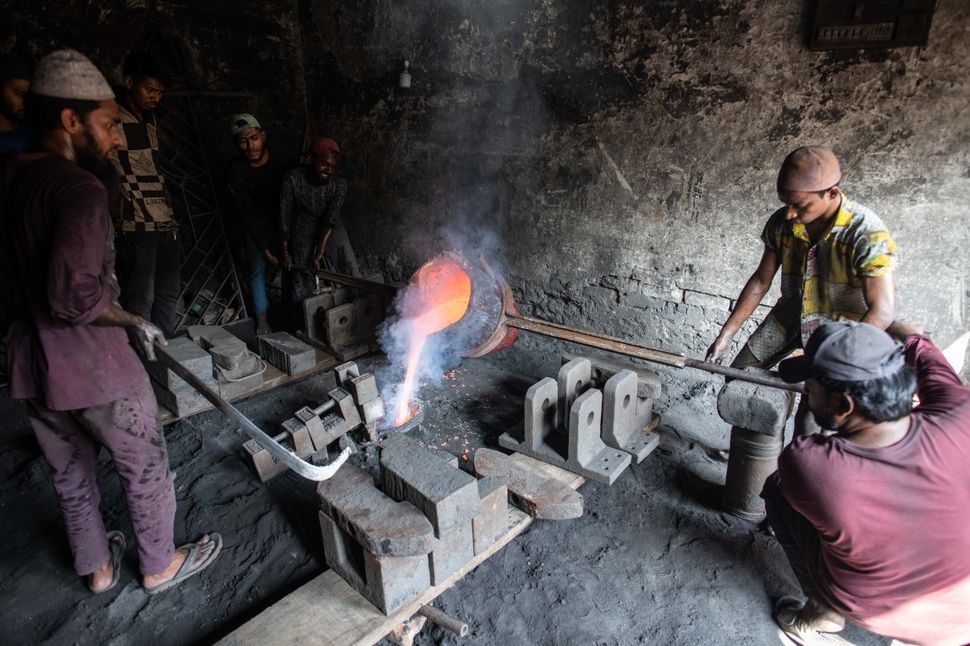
405	79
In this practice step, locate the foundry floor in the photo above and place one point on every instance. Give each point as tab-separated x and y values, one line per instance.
646	564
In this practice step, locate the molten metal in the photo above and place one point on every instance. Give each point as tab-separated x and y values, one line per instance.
438	298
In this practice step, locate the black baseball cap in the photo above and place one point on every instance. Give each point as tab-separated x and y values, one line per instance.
845	351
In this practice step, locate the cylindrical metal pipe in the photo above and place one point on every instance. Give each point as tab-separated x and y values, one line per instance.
447	622
753	457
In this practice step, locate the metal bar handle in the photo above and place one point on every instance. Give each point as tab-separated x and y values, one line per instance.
278	451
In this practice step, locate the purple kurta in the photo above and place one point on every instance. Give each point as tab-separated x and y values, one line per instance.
58	276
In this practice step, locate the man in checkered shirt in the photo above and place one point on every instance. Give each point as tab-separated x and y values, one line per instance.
836	259
149	253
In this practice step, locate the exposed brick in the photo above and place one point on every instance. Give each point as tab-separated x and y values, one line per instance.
701	299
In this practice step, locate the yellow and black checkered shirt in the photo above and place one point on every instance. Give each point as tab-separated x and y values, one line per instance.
821	282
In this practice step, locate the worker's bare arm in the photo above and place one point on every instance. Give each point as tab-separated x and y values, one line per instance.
143	333
754	290
879	293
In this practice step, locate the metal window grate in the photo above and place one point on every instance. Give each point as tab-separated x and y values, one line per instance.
211	293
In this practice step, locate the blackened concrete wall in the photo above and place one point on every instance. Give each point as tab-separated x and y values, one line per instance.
618	159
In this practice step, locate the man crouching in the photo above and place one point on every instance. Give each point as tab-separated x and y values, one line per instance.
874	518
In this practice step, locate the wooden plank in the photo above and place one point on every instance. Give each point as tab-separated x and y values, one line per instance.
272	378
328	612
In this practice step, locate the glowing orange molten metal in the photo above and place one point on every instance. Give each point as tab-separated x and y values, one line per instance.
438	297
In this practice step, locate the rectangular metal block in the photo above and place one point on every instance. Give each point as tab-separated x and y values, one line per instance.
345	406
183	402
345	372
239	387
383	526
211	336
190	355
232	356
286	352
265	465
298	436
388	582
364	388
373	411
314	314
492	522
532	492
368	315
447	496
451	551
340	326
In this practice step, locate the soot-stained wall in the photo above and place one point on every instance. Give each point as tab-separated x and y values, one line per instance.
617	159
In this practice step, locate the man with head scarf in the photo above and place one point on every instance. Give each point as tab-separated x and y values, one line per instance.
312	233
836	260
873	518
14	82
68	351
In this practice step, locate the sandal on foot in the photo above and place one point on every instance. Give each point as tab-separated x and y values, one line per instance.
797	630
117	545
190	567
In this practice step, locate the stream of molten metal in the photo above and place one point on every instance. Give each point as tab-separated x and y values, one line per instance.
440	297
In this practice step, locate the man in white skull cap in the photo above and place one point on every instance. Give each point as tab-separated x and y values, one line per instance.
68	352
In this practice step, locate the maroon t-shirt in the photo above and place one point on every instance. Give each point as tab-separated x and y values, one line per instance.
894	522
56	277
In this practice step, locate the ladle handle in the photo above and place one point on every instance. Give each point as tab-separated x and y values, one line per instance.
619	346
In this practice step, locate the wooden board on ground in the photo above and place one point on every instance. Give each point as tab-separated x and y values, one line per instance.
328	612
272	378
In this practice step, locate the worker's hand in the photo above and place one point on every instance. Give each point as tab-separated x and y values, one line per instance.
902	330
271	261
718	350
287	261
318	261
146	336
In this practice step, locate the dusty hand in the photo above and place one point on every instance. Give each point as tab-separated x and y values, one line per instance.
902	330
146	336
272	262
716	353
287	260
318	261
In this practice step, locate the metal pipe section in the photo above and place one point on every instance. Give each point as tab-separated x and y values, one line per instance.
447	622
278	451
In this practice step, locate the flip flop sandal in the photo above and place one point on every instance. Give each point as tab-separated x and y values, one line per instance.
117	545
786	610
190	567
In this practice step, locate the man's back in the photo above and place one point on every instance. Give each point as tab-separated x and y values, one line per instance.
893	521
57	273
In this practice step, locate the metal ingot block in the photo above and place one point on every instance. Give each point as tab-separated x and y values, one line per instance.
265	464
346	406
345	372
586	449
299	436
373	411
364	388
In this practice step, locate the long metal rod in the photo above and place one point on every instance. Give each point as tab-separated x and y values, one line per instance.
663	357
600	341
278	451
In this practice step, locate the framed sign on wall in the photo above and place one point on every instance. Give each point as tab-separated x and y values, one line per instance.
880	24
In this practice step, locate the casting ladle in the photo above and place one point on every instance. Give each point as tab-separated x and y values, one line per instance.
277	450
501	329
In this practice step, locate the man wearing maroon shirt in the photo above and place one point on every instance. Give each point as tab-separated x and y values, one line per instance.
875	518
68	352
